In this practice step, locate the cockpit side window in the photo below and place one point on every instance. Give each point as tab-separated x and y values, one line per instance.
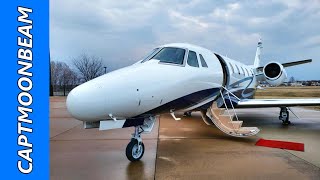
203	62
146	58
170	55
192	59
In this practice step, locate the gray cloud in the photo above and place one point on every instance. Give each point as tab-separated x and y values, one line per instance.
121	32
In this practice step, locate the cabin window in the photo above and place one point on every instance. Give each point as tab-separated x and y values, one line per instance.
231	67
248	72
238	69
203	62
146	58
192	59
243	70
170	55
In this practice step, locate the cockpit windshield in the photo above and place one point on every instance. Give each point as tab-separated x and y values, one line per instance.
170	55
146	58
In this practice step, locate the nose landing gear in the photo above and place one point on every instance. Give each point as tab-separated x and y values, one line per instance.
135	148
284	116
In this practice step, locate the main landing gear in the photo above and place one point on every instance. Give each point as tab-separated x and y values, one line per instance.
187	114
135	148
284	116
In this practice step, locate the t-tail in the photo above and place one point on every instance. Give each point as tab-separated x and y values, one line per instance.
258	54
273	72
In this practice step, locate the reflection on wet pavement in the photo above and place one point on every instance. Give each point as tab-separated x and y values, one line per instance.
186	149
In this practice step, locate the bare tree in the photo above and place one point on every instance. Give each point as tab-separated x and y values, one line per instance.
67	77
54	73
50	83
62	75
89	67
292	80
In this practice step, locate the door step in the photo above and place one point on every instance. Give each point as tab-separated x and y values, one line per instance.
226	123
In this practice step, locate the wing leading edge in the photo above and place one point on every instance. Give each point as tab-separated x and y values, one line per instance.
261	103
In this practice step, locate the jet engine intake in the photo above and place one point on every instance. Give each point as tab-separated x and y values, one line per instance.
274	73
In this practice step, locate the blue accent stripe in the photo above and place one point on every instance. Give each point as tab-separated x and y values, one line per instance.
184	102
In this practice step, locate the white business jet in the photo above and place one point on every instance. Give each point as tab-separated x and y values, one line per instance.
179	77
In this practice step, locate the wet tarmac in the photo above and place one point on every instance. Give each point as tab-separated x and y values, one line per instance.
186	149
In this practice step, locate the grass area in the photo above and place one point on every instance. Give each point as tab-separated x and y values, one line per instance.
289	92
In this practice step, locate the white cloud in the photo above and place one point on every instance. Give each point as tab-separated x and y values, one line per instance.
311	42
187	21
122	31
226	13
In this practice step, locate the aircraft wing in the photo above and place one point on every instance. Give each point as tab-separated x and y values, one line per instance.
293	63
261	103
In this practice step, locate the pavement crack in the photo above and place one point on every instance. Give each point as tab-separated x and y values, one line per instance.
302	159
155	164
65	131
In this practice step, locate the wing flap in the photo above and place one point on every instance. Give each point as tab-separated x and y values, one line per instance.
261	103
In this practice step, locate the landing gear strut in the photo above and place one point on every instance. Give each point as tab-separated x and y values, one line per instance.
135	148
284	116
187	114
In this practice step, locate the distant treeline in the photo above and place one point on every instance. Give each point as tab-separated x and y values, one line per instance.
63	78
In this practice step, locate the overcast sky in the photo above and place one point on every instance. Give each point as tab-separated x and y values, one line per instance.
122	31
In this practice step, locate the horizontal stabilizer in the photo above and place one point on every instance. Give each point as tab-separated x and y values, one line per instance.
293	63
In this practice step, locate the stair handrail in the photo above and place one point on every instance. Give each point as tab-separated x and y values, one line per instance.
225	104
234	111
231	93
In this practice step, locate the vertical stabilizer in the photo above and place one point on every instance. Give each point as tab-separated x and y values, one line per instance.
258	54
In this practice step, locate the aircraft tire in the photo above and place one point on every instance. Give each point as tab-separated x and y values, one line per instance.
132	152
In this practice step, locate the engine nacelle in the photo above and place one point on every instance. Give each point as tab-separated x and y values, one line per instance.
274	73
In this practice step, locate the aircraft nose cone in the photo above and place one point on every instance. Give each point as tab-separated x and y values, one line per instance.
75	102
85	103
72	102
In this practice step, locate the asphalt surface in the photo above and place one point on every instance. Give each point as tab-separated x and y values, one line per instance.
186	149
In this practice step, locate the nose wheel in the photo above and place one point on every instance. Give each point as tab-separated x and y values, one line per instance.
135	148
